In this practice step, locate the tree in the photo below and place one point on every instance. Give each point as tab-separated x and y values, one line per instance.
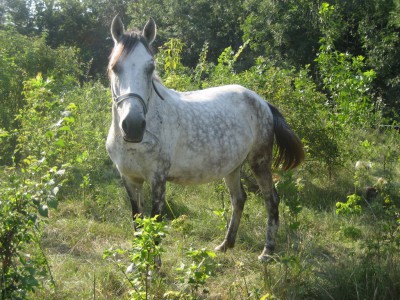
81	24
194	23
18	14
78	24
285	31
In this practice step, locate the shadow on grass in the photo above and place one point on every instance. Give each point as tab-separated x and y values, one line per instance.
174	209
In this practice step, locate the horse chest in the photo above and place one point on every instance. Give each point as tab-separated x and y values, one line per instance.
134	160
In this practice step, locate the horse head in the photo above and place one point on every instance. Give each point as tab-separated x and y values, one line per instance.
131	67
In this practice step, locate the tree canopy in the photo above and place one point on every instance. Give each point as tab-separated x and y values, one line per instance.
287	33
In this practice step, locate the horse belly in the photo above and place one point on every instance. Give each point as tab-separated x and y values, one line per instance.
203	160
198	174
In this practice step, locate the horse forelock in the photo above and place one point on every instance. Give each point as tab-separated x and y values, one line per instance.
127	44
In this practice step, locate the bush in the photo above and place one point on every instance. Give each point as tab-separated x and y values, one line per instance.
23	58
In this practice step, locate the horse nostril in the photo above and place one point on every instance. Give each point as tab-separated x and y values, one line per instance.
143	124
124	126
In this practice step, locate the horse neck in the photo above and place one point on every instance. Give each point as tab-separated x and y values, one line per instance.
165	104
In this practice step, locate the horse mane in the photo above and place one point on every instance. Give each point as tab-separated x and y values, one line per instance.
126	44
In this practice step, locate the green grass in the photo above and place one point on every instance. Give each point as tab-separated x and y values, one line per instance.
326	257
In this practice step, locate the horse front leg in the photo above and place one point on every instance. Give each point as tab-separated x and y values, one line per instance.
158	185
135	193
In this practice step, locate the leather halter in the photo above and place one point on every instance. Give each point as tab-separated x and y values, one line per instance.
119	99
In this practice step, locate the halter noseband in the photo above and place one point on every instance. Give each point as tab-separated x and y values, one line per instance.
121	98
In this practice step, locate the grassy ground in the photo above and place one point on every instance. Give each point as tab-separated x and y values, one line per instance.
320	255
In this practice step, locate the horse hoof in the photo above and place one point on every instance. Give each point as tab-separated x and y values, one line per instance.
265	256
157	262
223	247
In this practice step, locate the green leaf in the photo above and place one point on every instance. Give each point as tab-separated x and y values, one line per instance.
65	128
72	106
267	297
44	210
49	134
69	120
59	143
52	202
211	254
3	133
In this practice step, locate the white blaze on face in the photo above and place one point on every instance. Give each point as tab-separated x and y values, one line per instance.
133	72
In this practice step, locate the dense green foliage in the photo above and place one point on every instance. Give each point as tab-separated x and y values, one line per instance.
331	68
287	33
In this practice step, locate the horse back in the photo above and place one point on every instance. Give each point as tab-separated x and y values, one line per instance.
215	130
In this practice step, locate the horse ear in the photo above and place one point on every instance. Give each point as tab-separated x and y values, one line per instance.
117	29
150	30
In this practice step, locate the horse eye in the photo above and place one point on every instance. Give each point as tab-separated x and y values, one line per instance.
116	68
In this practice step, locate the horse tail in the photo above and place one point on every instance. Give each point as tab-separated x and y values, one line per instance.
290	152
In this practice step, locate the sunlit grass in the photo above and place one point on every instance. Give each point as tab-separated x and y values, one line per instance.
325	257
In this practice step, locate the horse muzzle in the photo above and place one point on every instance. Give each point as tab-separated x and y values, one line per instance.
133	126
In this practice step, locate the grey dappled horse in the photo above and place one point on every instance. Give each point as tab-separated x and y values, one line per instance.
159	135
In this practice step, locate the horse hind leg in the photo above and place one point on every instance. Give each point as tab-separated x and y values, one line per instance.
238	198
263	175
